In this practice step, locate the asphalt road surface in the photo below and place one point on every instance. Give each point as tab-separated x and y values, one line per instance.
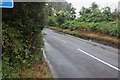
72	57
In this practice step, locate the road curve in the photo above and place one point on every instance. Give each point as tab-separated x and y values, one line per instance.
72	57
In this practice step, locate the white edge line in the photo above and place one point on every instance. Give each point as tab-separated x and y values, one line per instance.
99	60
48	62
50	66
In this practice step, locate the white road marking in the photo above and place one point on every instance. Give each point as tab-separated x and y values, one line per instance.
100	60
60	39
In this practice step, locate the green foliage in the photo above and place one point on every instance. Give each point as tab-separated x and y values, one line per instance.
59	12
89	15
72	25
52	21
29	16
15	50
107	13
91	19
21	27
70	11
94	14
60	17
94	6
110	28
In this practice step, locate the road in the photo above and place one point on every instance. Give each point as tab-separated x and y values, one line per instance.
72	57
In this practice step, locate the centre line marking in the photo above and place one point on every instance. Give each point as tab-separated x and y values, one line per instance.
100	60
60	39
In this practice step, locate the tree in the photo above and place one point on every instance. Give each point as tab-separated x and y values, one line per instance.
70	11
107	13
114	15
61	17
62	11
94	6
91	14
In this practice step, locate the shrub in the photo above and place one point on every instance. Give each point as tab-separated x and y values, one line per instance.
52	21
110	28
21	29
72	25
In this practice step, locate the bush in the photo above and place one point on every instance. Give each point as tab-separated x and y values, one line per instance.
110	28
72	25
20	29
52	21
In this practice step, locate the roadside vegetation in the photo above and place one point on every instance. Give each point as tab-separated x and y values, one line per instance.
22	41
22	38
92	21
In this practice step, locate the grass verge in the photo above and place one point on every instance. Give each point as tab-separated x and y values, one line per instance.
103	40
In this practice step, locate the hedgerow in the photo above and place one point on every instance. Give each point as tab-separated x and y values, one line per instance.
21	30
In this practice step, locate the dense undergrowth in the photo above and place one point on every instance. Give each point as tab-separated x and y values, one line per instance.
110	28
22	39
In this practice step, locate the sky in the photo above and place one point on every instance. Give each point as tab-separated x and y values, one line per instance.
87	3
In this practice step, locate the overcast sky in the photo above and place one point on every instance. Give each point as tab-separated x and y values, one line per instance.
86	3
